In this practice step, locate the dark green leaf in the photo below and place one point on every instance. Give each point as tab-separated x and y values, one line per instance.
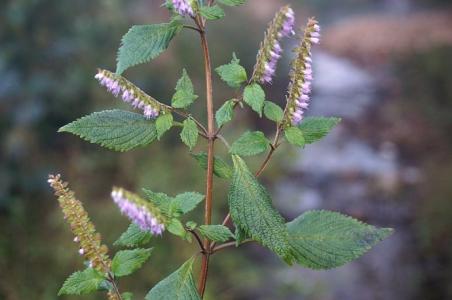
273	112
133	237
212	12
294	136
232	2
163	124
250	143
240	236
315	128
145	42
185	94
233	73
216	233
225	113
82	282
220	167
114	129
325	239
126	262
254	96
189	134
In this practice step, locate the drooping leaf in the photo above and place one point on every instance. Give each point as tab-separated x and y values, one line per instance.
254	96
250	143
143	43
185	94
126	262
294	136
232	2
326	239
82	282
179	285
163	124
273	112
225	113
114	129
252	211
315	128
233	73
211	12
189	134
133	237
216	233
220	167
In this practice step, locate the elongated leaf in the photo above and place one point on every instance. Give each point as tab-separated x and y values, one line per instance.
220	167
250	143
252	211
126	262
233	73
315	128
326	239
163	124
212	12
145	42
179	285
133	237
225	113
254	96
82	282
294	136
216	233
189	134
114	129
185	94
273	112
232	2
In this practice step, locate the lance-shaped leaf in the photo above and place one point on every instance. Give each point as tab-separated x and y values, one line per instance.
250	143
252	210
220	168
185	94
189	133
254	96
315	128
216	233
326	239
126	262
145	42
133	237
114	129
82	282
180	285
233	73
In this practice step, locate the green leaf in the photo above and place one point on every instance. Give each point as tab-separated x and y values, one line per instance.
326	239
126	262
252	211
212	12
133	237
163	124
174	206
82	282
294	136
188	201
114	129
189	134
145	42
273	112
191	225
315	128
233	73
175	227
127	296
185	94
180	285
225	113
232	2
240	236
254	96
250	143
220	168
216	233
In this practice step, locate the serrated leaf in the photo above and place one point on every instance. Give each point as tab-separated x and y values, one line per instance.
326	239
252	211
188	201
179	285
254	96
220	168
233	73
294	136
163	124
133	237
189	134
174	206
114	129
212	12
216	233
185	94
126	262
82	282
250	143
232	2
143	43
225	113
315	128
273	112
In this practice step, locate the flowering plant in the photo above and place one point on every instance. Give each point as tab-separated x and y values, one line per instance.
315	239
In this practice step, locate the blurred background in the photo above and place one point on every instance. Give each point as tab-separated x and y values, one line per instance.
384	66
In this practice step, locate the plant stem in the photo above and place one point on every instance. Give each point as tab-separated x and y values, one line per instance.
115	287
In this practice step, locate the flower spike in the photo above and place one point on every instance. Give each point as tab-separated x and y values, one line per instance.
183	7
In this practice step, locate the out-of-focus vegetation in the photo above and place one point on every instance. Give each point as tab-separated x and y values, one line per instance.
49	50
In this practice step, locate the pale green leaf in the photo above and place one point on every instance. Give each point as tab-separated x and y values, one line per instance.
126	262
82	282
216	233
189	134
114	129
294	136
145	42
250	143
185	94
233	73
212	12
133	237
175	227
163	124
220	167
225	113
252	211
315	128
273	112
186	202
326	239
232	2
179	285
254	96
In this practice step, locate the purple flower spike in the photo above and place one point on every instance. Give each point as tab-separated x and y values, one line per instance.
183	8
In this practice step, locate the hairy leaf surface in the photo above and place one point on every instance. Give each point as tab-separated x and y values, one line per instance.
185	93
126	262
163	124
82	282
216	233
189	134
273	112
250	143
212	12
315	128
233	73
254	96
225	113
133	237
220	168
294	136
